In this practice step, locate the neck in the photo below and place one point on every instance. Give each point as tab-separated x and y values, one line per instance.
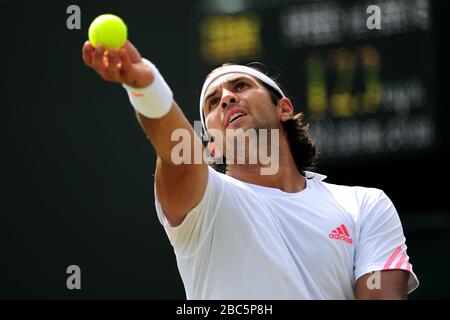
287	178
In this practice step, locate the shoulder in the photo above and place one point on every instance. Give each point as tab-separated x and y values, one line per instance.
362	195
358	193
355	199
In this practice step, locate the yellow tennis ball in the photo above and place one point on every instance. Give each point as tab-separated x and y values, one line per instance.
108	30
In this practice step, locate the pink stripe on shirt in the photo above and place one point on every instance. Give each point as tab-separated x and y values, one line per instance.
392	258
400	261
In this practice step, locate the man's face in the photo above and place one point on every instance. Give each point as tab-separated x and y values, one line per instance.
238	101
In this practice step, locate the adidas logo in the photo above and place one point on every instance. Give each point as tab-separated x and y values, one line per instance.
341	233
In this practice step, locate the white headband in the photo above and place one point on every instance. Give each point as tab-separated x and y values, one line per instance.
232	69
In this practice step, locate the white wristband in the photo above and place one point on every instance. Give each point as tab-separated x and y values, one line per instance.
153	101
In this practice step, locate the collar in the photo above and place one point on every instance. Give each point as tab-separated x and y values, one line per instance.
315	176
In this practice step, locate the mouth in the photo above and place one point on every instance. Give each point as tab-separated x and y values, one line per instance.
234	116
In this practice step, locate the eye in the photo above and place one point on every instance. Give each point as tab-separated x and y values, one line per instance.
241	85
213	102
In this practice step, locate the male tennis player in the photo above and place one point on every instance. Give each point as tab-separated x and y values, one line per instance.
249	235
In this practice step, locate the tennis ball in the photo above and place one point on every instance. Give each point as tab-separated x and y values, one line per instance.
108	30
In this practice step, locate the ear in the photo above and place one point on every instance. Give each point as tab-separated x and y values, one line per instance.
285	108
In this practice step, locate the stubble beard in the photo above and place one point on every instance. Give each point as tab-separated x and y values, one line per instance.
245	143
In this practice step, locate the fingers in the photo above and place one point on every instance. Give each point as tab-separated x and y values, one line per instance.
102	65
113	66
97	59
125	64
87	52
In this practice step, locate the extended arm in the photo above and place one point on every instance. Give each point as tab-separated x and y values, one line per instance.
180	187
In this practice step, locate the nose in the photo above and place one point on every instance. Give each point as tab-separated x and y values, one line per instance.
228	97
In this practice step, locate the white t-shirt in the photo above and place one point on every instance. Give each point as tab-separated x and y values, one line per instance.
245	241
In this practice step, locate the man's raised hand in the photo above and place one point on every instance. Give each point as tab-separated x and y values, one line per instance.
122	66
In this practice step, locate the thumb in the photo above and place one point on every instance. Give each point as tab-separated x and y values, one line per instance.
133	53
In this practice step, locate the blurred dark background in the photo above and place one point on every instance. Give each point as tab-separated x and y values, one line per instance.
77	184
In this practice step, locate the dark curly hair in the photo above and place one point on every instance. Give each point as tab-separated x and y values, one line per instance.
303	148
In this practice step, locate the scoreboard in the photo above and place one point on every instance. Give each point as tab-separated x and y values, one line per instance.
364	91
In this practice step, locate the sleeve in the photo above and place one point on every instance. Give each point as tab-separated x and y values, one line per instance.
188	237
382	244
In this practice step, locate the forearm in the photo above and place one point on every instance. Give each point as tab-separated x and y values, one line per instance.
185	182
160	133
